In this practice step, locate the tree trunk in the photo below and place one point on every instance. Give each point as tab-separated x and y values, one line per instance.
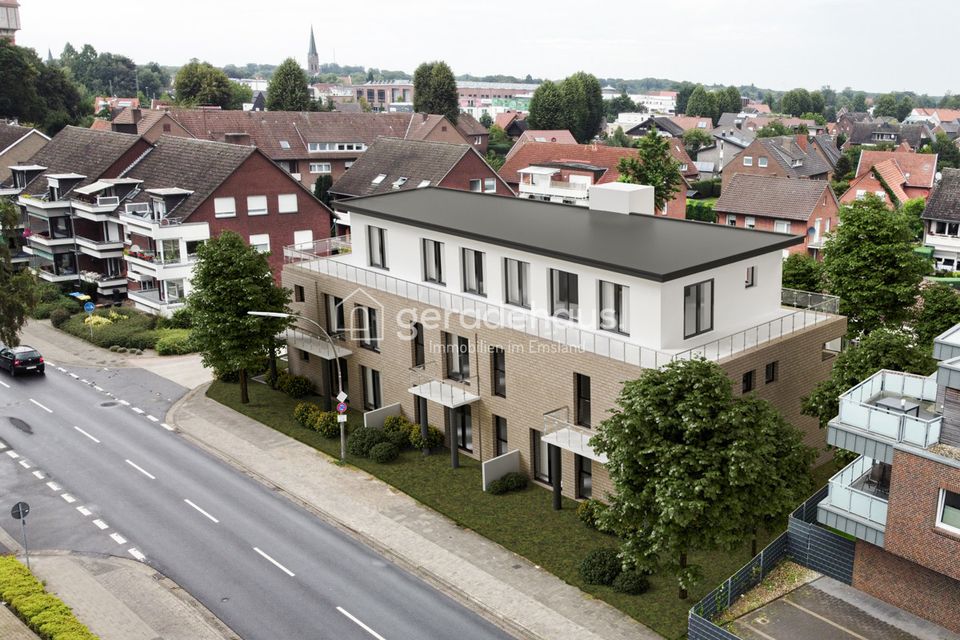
273	367
683	565
244	395
753	544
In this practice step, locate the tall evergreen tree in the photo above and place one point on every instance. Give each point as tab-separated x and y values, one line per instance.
548	107
288	88
584	100
435	90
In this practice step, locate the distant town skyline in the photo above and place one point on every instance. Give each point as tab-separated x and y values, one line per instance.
778	45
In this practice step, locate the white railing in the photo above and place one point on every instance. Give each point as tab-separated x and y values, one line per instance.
860	503
856	410
311	256
429	379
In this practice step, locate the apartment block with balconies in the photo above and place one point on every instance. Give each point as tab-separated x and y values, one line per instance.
901	497
513	323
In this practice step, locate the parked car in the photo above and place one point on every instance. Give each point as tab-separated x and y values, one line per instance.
22	359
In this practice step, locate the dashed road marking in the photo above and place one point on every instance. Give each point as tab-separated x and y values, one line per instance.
86	434
166	426
74	376
360	624
69	498
98	388
41	406
124	403
13	454
39	474
119	539
25	464
101	524
61	370
141	470
137	410
4	384
136	554
2	446
54	486
189	502
84	511
84	381
275	563
152	419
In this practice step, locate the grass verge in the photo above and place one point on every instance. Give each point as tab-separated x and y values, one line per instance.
523	522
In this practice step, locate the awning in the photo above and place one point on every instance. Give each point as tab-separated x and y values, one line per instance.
314	344
574	440
448	395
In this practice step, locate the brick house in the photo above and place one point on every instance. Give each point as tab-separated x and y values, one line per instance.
806	208
872	133
913	174
574	301
561	136
554	172
901	497
780	156
941	221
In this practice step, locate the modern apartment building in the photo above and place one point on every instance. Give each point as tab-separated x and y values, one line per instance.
514	322
901	496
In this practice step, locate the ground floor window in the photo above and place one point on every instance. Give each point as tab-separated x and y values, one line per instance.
463	427
371	388
541	456
584	477
500	430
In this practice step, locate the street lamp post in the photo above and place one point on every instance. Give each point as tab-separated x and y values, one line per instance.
336	364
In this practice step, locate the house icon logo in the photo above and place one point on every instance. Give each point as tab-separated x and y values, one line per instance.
363	316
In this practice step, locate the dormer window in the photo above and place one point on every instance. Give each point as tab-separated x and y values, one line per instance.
798	162
159	207
380	178
399	182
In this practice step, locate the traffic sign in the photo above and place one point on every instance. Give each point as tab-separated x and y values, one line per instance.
341	397
89	307
20	510
342	417
342	407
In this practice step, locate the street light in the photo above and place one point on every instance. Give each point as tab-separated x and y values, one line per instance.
341	396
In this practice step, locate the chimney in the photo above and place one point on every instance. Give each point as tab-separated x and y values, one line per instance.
136	114
237	138
621	197
802	141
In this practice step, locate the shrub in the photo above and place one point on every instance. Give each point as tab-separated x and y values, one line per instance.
434	437
181	319
384	452
58	316
397	430
49	292
589	512
121	327
294	386
43	309
174	342
326	424
305	413
363	439
512	481
43	612
632	582
601	566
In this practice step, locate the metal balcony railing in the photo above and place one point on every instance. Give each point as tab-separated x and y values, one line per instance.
862	504
560	431
428	381
858	408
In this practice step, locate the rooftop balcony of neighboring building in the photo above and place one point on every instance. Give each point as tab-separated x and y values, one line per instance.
152	300
144	220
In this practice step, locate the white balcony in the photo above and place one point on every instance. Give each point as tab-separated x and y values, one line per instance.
444	391
559	431
556	189
45	240
856	503
100	248
41	207
145	223
316	344
51	274
101	211
150	299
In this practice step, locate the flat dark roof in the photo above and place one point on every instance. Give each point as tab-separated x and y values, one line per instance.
654	248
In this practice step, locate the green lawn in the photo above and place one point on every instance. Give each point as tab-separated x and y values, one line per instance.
523	522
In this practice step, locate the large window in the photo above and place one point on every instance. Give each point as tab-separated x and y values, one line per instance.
948	514
335	321
457	351
377	246
367	328
697	308
371	388
581	407
584	469
614	307
516	282
498	365
321	167
472	267
287	203
564	294
541	456
431	252
500	431
463	427
419	353
224	207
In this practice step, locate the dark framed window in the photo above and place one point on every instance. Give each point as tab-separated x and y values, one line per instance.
614	307
541	456
333	389
584	469
697	308
457	351
298	293
377	246
335	322
371	388
500	433
564	294
748	382
516	282
463	427
772	372
581	406
472	267
419	353
751	278
432	253
368	328
304	356
498	367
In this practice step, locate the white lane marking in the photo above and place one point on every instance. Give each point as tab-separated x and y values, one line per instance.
2	446
74	376
41	406
124	403
98	388
360	624
152	419
54	486
141	470
166	426
119	539
84	381
86	434
25	464
189	502
101	524
137	410
84	511
275	563
39	474
4	384
50	363
136	554
61	370
69	498
13	454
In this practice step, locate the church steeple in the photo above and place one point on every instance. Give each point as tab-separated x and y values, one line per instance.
313	60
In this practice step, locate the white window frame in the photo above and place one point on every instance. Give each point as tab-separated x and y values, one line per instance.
476	185
257	205
225	207
489	185
748	161
472	266
614	304
321	167
431	260
778	226
731	220
377	246
287	203
941	504
750	222
260	240
762	161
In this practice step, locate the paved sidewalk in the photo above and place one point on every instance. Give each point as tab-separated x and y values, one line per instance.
526	600
12	629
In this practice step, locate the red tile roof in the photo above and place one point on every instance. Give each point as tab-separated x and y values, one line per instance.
503	120
692	122
773	196
945	115
99	124
868	183
918	169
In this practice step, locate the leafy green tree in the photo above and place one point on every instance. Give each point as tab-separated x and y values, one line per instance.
939	309
843	170
584	101
321	188
885	106
36	93
870	264
702	104
654	166
619	139
802	272
153	79
796	101
770	101
678	444
230	279
621	104
200	83
494	159
288	88
905	106
773	129
239	94
948	154
728	100
817	102
18	289
548	107
880	349
486	120
913	210
859	102
499	141
435	90
684	91
696	139
815	116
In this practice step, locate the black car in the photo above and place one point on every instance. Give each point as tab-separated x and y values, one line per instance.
22	359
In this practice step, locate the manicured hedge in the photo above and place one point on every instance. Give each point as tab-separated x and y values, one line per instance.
122	327
174	342
46	614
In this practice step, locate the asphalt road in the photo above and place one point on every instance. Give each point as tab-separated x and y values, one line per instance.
268	568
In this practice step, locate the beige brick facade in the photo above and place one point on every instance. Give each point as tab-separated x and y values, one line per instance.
539	374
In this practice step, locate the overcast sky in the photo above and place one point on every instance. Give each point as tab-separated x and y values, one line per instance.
873	45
